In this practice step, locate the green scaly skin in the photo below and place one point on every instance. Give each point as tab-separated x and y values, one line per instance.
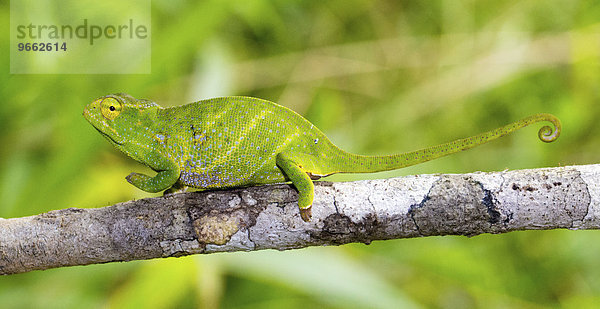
241	141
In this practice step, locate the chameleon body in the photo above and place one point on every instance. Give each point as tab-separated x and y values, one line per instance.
242	141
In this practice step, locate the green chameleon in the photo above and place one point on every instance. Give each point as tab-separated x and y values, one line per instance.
241	141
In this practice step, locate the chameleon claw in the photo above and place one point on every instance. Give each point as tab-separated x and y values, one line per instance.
306	213
170	192
176	188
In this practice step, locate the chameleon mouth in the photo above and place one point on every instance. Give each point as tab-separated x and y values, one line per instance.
93	121
108	137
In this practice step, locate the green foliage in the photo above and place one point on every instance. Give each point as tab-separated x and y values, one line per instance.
378	77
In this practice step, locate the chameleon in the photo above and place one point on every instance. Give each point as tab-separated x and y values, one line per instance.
243	141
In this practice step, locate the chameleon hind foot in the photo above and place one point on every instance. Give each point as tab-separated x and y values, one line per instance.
306	213
302	182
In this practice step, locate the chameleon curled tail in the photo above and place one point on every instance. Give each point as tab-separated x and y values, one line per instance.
352	163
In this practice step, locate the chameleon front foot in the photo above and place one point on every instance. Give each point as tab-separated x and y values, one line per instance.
306	213
163	180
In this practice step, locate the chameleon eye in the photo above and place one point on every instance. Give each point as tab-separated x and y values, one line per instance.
110	108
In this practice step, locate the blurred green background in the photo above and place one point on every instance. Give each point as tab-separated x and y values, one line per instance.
378	77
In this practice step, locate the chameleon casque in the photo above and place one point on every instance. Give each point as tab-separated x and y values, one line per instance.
242	141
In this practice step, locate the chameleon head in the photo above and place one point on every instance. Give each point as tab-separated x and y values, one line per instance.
112	116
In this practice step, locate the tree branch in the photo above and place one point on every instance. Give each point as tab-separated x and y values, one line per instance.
267	217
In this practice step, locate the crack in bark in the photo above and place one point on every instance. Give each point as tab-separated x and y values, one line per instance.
509	214
587	193
335	205
250	237
414	207
489	201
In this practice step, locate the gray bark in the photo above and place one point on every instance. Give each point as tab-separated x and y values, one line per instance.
267	217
